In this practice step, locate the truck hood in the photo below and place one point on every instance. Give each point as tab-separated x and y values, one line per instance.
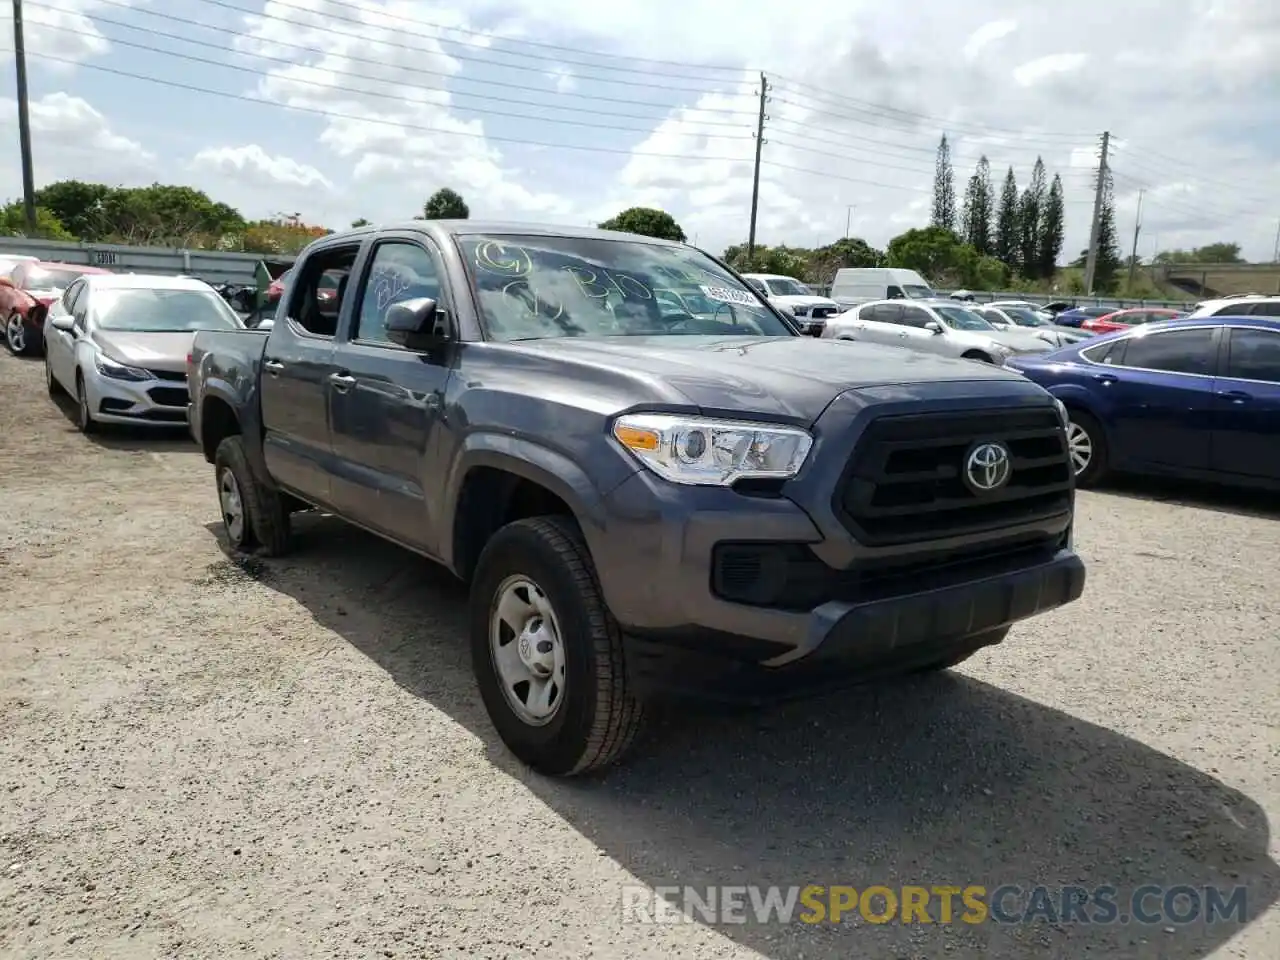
151	351
791	377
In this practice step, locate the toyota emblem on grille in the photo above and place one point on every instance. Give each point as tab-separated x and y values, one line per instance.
987	468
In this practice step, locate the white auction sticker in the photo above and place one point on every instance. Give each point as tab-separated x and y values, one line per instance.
727	295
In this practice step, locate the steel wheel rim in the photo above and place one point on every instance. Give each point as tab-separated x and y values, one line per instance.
16	335
1080	447
232	504
527	650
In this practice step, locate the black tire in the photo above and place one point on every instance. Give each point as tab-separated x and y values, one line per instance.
976	355
263	525
51	384
598	718
1098	465
84	416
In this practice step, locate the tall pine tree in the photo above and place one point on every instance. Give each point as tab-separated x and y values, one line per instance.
978	203
1008	235
944	189
1030	210
1052	227
1106	271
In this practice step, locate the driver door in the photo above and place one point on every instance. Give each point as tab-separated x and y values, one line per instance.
914	335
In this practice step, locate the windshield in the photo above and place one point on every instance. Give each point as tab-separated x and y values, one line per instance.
534	287
1025	318
144	310
917	292
42	279
959	318
786	287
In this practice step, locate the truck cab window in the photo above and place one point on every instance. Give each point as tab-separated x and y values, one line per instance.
399	271
316	297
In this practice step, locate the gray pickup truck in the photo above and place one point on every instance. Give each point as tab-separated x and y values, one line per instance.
652	483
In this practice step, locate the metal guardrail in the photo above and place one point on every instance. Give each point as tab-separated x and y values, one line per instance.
987	296
213	266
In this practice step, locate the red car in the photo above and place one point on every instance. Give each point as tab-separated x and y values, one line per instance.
1124	319
25	294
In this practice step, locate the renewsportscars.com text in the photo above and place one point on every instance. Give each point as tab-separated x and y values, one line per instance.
971	904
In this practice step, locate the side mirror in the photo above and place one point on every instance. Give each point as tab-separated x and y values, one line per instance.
933	326
5	282
65	323
418	324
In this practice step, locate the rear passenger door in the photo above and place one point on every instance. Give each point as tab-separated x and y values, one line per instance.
1246	435
387	400
878	323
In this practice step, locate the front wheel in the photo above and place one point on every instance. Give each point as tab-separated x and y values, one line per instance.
253	515
1087	446
547	653
15	336
84	413
50	381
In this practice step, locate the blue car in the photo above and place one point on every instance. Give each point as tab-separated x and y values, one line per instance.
1197	398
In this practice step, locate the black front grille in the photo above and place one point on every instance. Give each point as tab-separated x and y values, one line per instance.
905	481
174	376
820	312
169	397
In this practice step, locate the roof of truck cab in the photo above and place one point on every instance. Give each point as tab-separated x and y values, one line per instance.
505	228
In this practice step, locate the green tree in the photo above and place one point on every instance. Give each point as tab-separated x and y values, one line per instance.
359	222
1007	230
647	222
13	223
979	201
930	251
77	206
1052	227
944	189
1106	271
1030	211
445	204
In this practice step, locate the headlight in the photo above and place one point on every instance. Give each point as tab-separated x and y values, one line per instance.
118	371
999	348
705	452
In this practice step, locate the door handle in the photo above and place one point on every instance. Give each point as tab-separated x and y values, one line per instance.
272	367
1105	378
342	382
1235	396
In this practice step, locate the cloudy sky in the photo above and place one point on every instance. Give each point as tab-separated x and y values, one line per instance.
566	111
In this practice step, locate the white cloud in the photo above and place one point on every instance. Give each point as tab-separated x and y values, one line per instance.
986	35
1034	71
257	168
73	139
65	32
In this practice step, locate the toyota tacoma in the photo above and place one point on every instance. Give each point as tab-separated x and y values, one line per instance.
651	482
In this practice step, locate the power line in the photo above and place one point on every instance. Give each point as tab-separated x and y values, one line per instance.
910	116
373	61
1190	206
558	61
493	36
381	121
1148	156
380	95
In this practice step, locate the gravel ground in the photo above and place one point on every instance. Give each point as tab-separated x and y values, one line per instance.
208	758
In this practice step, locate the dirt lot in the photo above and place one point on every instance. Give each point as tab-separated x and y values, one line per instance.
201	758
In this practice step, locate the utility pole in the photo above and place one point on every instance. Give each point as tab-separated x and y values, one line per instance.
1276	253
24	119
848	219
755	180
1137	226
1091	261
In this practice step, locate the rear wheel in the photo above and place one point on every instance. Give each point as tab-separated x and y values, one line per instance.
254	516
547	653
1087	445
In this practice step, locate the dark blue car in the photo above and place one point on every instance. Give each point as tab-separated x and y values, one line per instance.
1077	315
1191	398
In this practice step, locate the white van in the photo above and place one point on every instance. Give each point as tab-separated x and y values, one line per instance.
855	285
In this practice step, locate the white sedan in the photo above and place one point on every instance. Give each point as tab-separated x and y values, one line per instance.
118	344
